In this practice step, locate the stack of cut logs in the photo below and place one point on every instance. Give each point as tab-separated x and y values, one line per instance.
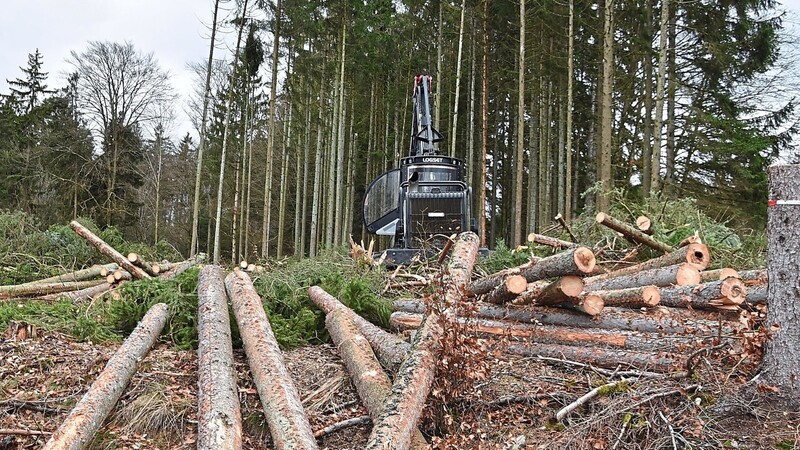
98	279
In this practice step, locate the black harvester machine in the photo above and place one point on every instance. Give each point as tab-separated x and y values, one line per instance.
426	200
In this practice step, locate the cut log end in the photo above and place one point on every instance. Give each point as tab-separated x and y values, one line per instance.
243	264
572	286
600	217
651	296
593	305
133	257
734	291
584	259
516	284
698	254
687	275
645	224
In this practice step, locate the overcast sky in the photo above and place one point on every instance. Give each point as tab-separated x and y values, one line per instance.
174	30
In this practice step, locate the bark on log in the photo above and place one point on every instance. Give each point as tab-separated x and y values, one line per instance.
696	254
729	292
38	289
181	267
80	426
78	275
219	419
753	277
717	274
369	379
137	260
506	291
658	320
403	407
485	284
162	267
390	349
632	233
550	241
693	239
680	274
108	250
283	410
757	294
645	225
637	297
83	294
542	291
600	357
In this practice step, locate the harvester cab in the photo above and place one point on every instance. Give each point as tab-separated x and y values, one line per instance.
424	201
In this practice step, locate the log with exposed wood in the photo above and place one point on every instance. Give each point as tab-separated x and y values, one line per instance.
635	297
680	274
390	349
587	303
550	241
159	268
183	266
693	239
665	320
82	294
506	291
108	250
632	233
283	410
137	260
395	425
117	276
78	275
560	219
757	294
645	225
369	379
753	277
723	294
543	292
577	261
602	357
80	426
38	289
718	274
551	334
696	254
219	419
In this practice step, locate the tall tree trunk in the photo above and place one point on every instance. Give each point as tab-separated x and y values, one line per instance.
562	160
246	227
315	202
520	154
340	128
647	99
533	165
156	215
662	75
202	144
301	184
284	173
273	88
670	163
439	82
606	112
218	217
471	163
570	70
484	124
453	131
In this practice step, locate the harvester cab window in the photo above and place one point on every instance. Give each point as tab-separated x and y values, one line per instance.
381	204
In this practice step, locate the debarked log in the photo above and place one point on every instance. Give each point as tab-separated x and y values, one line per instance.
80	426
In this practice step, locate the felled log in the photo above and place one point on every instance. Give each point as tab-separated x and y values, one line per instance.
137	260
506	291
283	410
542	292
108	250
80	426
577	261
757	294
560	219
632	233
37	289
601	357
82	294
636	297
680	274
658	320
219	419
693	239
181	267
645	225
394	426
696	254
724	294
162	267
717	274
117	276
369	379
550	241
753	277
78	275
390	349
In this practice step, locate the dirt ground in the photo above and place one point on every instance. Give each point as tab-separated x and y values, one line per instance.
43	376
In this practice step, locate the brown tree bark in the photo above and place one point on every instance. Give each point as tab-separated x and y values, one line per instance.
550	241
561	289
83	294
636	297
28	290
509	289
390	349
718	274
371	382
403	407
757	295
137	260
284	412
724	294
680	274
696	254
488	283
219	420
632	233
602	357
108	250
80	426
78	275
753	277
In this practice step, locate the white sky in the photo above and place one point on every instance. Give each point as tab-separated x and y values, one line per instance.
174	30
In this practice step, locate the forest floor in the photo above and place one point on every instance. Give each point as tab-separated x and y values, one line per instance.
43	374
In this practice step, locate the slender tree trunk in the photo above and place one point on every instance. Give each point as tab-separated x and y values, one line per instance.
471	164
520	155
533	166
284	173
301	185
340	122
606	109
156	215
562	160
439	82
647	99
662	75
246	226
453	130
218	217
484	124
315	202
202	143
570	75
670	163
273	88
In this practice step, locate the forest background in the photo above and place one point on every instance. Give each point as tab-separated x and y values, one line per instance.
653	99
